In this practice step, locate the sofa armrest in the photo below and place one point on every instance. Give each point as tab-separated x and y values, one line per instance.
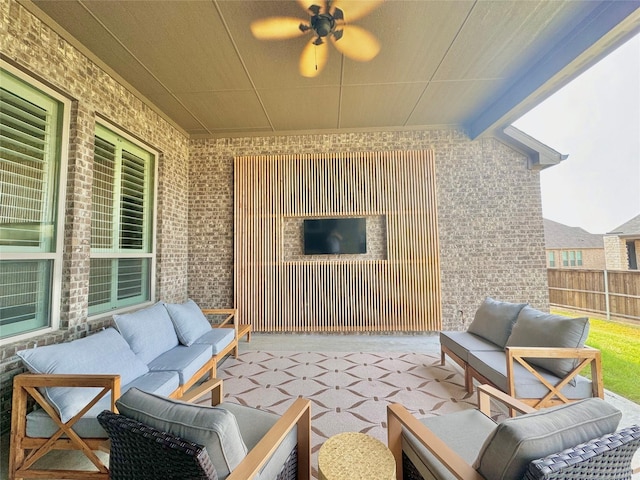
486	393
230	315
297	414
398	418
23	452
586	356
213	385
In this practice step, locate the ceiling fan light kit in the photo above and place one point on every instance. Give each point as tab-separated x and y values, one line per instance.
356	43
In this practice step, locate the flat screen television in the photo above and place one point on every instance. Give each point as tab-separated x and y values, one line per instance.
335	236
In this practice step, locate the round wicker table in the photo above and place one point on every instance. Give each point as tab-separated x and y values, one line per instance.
355	456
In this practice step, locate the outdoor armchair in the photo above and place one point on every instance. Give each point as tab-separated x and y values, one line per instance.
576	440
158	437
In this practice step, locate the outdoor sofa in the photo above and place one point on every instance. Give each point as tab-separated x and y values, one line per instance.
533	356
163	349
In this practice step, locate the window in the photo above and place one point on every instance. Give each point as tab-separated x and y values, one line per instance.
552	259
122	246
565	259
33	137
579	258
572	258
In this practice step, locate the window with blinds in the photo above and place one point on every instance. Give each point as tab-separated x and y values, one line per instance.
121	223
30	163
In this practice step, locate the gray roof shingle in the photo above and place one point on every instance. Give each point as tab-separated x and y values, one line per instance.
560	236
630	228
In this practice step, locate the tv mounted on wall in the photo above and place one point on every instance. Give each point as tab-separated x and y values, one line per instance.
335	236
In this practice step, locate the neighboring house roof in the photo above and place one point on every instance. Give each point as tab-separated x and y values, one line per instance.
628	229
560	236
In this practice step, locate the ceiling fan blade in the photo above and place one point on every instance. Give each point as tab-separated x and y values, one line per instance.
276	28
357	43
313	58
355	9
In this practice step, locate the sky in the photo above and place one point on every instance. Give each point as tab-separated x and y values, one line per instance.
595	119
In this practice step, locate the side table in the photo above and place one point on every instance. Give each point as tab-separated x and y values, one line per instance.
355	456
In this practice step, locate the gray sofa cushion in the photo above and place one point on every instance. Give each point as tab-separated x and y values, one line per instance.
184	360
538	329
104	352
494	320
464	432
40	424
217	338
149	331
493	366
212	427
254	424
188	320
461	343
517	441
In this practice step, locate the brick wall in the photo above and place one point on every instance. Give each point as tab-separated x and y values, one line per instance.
489	214
616	255
37	50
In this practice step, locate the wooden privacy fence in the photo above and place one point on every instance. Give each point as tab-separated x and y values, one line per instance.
614	293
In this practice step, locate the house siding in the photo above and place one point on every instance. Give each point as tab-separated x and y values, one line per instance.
489	207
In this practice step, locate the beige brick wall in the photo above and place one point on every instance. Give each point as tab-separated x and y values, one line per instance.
592	258
489	214
616	253
37	50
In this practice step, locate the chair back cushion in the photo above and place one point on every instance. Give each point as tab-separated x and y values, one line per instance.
214	428
494	320
538	329
105	352
517	441
188	320
149	331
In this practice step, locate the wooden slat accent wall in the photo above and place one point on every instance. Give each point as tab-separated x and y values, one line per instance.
341	293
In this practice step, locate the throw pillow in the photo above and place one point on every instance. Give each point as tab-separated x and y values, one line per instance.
538	329
517	441
149	331
105	352
494	320
188	320
214	428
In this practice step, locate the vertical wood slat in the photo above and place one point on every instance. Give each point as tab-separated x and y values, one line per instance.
399	293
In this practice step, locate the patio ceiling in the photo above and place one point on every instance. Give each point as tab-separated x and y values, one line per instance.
477	65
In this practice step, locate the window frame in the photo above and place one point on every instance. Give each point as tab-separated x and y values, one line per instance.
57	253
104	123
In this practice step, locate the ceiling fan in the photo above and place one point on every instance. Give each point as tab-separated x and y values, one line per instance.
327	21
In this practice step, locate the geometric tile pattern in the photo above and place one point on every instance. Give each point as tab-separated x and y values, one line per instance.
349	391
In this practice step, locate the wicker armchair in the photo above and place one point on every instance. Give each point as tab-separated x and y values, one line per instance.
469	445
278	447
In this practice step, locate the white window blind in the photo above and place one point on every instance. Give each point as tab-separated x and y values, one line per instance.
30	125
121	223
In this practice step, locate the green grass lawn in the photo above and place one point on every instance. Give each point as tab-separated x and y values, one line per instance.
619	344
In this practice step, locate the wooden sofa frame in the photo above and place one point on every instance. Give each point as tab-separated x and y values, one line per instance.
586	356
25	451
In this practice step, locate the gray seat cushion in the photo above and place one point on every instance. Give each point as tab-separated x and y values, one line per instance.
518	441
212	427
464	432
461	343
539	329
494	320
254	424
493	366
217	338
184	360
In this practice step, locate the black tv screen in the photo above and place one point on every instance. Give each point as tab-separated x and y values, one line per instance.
335	236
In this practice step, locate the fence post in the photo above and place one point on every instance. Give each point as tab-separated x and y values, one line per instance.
606	294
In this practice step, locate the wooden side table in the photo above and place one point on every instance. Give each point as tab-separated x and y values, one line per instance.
355	456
